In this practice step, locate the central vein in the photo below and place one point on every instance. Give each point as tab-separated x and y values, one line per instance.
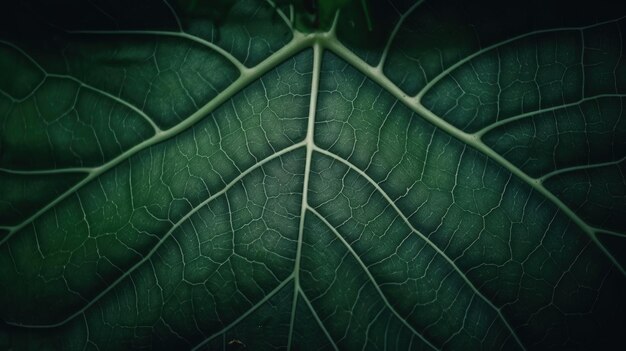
309	144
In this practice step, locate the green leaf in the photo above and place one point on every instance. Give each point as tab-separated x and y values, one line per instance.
402	175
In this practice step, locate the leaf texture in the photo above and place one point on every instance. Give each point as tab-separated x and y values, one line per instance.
173	179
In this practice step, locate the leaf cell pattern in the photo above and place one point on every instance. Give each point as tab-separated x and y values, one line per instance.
188	182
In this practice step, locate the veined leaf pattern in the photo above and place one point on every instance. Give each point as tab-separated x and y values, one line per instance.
171	180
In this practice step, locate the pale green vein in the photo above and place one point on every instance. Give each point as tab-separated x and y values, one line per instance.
468	58
371	277
27	96
24	53
244	80
251	310
508	120
590	166
317	318
164	238
281	14
423	237
82	84
610	232
308	141
178	22
117	99
47	171
469	139
393	34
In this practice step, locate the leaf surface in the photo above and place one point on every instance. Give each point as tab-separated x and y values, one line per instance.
178	176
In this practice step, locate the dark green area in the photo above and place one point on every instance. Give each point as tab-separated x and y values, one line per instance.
463	186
